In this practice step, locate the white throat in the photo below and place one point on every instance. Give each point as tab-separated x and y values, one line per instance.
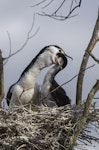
28	78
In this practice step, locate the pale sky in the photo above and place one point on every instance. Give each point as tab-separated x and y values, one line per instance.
72	35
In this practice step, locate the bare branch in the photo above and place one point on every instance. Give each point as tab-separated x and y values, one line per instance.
85	114
58	17
59	8
47	4
9	43
96	97
94	58
55	15
10	47
73	9
26	41
91	45
39	3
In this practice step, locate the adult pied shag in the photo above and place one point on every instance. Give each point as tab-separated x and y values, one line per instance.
59	96
23	91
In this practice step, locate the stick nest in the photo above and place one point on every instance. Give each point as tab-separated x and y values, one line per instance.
39	128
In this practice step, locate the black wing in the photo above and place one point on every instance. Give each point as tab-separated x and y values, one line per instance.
59	95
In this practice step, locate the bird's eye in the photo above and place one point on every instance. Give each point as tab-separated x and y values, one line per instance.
61	51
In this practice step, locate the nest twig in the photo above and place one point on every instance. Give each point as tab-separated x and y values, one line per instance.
39	128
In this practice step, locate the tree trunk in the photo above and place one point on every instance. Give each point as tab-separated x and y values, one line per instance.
1	79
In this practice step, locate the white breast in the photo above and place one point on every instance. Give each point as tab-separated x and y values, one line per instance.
20	96
28	81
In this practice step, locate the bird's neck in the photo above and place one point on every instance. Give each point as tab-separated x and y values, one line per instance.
29	75
51	74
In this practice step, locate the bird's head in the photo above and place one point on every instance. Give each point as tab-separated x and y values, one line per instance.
54	49
61	60
50	54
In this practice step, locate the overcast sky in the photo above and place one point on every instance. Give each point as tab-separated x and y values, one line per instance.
72	35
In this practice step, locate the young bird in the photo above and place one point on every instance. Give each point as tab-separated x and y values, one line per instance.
51	93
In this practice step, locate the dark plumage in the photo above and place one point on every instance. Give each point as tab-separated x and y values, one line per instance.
59	96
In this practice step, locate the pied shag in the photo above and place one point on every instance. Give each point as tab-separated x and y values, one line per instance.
23	91
57	97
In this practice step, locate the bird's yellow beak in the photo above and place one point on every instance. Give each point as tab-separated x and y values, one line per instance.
62	51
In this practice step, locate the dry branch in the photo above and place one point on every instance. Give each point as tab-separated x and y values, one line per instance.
29	36
94	58
57	14
88	51
85	114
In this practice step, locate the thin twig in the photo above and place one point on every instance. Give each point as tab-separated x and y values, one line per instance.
37	4
26	41
96	97
55	15
10	47
47	4
59	7
67	81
